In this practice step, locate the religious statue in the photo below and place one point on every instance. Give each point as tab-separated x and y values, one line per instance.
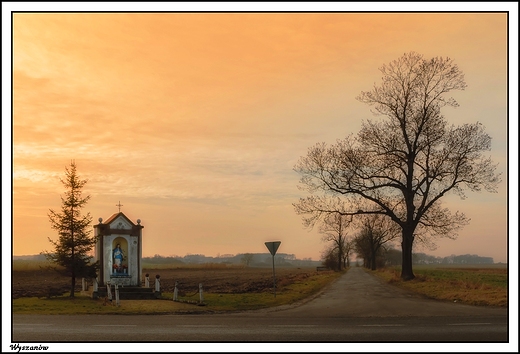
118	258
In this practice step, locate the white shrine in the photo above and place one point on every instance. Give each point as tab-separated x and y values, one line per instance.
119	250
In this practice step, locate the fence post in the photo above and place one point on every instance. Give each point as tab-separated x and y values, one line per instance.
83	284
157	286
201	294
109	292
117	295
95	289
176	293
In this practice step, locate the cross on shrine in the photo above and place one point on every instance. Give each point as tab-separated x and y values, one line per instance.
119	205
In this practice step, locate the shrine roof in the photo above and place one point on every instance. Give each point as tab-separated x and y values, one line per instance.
115	216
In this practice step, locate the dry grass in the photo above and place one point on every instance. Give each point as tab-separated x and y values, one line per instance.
474	286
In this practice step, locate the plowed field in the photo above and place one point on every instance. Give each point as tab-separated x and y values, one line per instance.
215	280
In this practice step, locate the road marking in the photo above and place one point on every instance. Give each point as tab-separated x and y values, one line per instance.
383	325
202	326
293	326
116	325
468	324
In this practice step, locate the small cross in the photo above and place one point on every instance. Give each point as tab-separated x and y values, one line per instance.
119	205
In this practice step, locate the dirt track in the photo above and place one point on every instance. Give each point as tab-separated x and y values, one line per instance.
215	280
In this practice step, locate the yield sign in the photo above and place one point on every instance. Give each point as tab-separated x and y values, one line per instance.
273	246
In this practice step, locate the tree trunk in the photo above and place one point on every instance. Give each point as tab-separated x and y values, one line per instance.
73	260
373	259
340	260
406	245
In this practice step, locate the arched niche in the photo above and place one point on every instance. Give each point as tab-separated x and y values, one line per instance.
120	260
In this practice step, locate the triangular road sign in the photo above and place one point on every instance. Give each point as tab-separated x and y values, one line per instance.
273	246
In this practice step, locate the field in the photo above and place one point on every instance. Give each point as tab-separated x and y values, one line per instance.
214	278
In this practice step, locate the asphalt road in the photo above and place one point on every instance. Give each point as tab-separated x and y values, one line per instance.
357	308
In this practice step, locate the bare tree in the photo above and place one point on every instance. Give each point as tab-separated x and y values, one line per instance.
376	231
403	165
329	257
247	258
334	229
348	247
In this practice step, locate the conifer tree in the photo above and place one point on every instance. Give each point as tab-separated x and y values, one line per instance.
71	251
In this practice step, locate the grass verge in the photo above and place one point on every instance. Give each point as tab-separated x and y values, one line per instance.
213	302
472	286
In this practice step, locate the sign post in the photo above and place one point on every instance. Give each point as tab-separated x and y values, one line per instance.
273	247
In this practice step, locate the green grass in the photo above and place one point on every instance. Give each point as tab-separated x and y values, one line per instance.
81	304
484	286
213	302
286	295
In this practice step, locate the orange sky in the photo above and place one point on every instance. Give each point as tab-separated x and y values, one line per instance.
194	121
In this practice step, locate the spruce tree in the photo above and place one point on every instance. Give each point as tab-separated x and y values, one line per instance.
71	251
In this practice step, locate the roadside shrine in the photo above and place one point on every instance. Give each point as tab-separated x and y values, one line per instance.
119	250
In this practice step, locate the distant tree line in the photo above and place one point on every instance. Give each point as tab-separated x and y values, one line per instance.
245	259
391	256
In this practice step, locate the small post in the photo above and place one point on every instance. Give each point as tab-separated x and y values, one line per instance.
176	293
157	286
201	294
95	289
147	280
83	284
274	279
117	295
109	292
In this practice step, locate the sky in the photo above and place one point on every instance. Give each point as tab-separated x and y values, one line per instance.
194	121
